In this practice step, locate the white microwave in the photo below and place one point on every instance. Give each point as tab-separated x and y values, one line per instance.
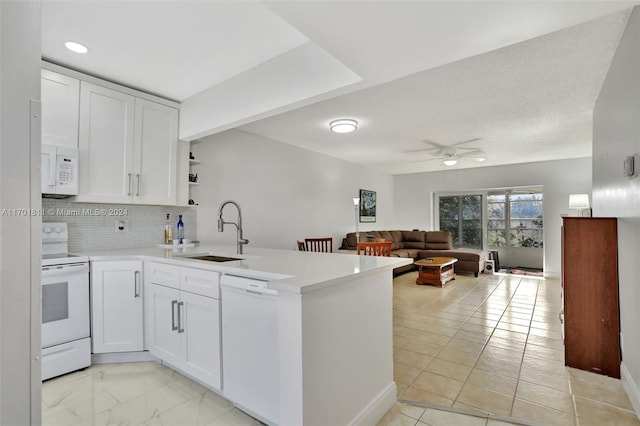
59	171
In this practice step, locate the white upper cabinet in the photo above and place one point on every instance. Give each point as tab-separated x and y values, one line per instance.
60	97
127	148
106	145
155	153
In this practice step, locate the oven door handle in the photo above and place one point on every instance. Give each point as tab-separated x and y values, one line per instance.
50	271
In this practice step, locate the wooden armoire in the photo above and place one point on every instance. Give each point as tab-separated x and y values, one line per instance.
590	294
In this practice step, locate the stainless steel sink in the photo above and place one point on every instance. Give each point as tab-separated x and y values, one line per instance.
212	258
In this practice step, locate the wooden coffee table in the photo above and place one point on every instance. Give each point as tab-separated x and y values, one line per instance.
435	270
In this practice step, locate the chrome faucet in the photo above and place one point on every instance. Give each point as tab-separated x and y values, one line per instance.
221	223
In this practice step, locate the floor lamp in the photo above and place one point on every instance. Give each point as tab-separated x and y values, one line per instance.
356	202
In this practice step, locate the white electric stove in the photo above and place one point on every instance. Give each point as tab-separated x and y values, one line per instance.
66	340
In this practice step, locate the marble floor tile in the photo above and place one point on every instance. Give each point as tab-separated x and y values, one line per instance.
197	411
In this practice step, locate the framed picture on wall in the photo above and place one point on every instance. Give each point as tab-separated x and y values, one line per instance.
367	206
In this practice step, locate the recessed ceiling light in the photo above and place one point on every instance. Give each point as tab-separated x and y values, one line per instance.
76	47
344	125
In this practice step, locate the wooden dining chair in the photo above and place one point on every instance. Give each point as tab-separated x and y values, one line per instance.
302	246
324	245
378	248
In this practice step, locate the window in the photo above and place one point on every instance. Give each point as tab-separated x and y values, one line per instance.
462	216
514	218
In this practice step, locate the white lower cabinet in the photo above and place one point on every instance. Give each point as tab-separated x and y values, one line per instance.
116	306
183	327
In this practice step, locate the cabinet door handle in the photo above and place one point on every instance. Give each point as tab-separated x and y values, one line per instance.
136	285
180	328
138	176
174	327
129	193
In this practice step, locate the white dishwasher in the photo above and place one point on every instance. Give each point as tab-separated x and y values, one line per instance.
251	361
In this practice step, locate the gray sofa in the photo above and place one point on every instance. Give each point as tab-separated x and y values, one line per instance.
423	244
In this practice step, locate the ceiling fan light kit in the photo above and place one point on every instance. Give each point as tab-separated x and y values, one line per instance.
450	162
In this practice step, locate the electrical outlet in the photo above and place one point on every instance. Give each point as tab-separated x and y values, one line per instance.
122	225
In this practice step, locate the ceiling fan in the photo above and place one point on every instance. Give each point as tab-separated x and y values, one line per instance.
449	154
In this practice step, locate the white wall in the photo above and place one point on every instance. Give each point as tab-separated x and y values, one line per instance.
617	135
414	195
286	193
20	379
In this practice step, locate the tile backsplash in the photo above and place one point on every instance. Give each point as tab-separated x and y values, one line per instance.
93	226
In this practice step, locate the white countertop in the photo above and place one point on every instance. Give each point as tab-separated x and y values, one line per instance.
286	270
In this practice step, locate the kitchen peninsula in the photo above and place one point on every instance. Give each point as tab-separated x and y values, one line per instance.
292	338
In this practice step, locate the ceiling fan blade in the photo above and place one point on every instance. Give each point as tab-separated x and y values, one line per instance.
436	147
420	150
463	142
428	159
478	153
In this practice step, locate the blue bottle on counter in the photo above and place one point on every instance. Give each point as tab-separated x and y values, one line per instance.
180	230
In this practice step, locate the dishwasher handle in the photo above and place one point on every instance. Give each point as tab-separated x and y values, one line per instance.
249	285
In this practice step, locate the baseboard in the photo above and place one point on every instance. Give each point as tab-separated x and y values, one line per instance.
372	413
631	388
117	357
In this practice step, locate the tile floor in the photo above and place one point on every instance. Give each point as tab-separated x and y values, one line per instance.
142	393
493	345
490	346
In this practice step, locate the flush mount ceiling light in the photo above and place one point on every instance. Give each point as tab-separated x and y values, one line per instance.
344	125
76	47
